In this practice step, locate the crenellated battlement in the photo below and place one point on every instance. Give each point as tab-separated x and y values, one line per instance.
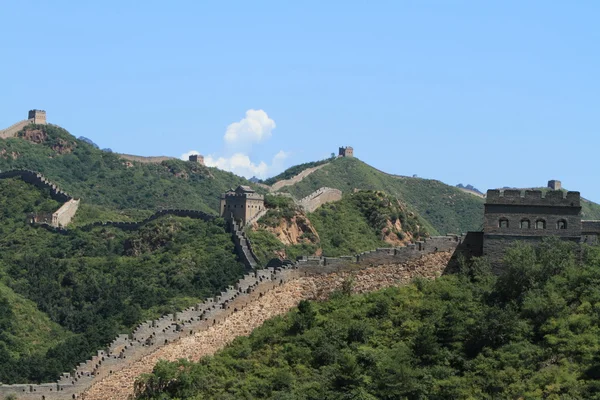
554	198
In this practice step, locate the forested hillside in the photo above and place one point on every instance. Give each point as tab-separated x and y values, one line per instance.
102	178
532	332
446	208
64	296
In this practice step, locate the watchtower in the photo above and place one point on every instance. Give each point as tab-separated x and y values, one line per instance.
241	204
554	184
37	117
528	215
197	158
346	152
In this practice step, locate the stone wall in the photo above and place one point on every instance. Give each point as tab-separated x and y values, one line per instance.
33	117
295	179
319	197
63	216
243	246
385	255
150	336
12	130
145	160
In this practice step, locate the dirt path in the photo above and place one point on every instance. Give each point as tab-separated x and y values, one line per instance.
120	384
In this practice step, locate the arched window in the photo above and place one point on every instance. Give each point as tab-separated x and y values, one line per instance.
525	224
503	223
540	224
561	224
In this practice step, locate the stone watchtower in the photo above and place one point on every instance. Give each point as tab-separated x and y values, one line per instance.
554	184
512	215
197	158
241	204
346	152
37	117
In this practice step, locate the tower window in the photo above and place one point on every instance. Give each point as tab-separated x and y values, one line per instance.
540	224
525	224
561	224
503	223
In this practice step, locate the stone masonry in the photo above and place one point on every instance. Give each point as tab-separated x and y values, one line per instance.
33	117
346	152
61	217
241	204
513	215
319	197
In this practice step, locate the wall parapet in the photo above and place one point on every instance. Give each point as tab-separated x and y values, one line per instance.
533	198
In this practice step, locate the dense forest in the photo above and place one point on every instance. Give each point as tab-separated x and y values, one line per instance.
68	295
532	332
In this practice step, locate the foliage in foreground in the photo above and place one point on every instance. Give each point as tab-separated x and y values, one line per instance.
533	332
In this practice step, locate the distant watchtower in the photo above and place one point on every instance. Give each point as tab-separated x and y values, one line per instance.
241	204
197	158
37	117
512	215
346	152
554	185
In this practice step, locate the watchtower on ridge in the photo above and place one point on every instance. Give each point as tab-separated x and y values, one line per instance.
37	117
241	204
346	152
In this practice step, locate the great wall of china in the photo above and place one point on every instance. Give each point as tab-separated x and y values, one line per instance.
150	336
61	217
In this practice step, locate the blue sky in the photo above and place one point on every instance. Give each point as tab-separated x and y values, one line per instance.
488	93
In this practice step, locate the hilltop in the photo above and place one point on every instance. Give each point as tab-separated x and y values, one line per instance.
446	208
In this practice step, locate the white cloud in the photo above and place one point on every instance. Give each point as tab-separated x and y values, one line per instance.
254	128
241	136
239	164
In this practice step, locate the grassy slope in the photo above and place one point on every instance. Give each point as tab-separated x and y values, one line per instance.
446	208
32	332
104	179
354	224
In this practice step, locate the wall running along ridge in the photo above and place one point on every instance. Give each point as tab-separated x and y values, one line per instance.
62	216
145	160
151	336
12	130
319	197
295	179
